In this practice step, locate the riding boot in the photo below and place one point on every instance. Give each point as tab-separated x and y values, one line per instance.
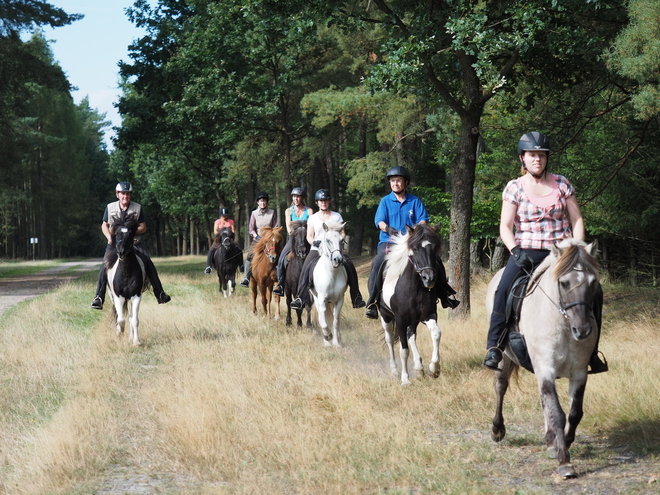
375	284
353	284
595	363
209	261
101	286
152	275
246	274
279	290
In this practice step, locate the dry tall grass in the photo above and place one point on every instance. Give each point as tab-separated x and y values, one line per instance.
220	401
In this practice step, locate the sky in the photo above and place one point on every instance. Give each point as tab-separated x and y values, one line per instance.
88	51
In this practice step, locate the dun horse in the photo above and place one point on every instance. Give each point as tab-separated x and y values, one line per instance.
297	256
127	278
560	330
409	297
227	258
329	282
264	269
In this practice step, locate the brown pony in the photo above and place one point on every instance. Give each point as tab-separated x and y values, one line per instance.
264	268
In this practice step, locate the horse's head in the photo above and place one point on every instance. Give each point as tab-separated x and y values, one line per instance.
124	236
271	242
576	274
332	242
224	237
299	236
423	244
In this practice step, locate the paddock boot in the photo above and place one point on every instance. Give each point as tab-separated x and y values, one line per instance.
163	298
246	275
372	311
208	270
279	290
297	303
358	302
596	365
493	358
97	303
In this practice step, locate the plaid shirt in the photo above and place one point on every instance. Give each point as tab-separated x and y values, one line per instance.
536	227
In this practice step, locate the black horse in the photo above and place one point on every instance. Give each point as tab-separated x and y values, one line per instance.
299	250
409	296
127	277
226	260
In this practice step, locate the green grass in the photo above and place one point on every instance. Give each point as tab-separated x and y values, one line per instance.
20	268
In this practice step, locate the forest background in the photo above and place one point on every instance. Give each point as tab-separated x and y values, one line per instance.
223	99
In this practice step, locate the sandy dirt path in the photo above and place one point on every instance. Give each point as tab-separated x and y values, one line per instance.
17	289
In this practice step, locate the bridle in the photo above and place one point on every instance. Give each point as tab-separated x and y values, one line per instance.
561	306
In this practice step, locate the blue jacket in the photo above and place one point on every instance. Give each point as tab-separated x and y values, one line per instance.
397	215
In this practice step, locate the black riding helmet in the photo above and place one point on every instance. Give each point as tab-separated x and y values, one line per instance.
533	141
322	194
299	191
124	186
400	171
263	195
224	211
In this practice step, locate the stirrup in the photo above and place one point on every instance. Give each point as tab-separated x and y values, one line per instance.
97	303
493	358
278	291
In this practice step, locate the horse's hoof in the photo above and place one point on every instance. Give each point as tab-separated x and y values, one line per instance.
551	452
276	318
137	344
567	471
497	435
405	383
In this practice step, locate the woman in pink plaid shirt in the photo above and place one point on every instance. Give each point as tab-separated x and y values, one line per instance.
539	209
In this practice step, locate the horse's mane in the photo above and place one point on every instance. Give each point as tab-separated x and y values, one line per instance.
572	254
267	233
399	247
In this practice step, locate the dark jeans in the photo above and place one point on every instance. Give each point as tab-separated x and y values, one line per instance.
497	328
149	267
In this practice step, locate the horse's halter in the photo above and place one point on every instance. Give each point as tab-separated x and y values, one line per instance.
561	306
329	250
417	268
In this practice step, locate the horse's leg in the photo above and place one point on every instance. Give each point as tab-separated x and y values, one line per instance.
502	376
322	313
576	388
411	335
309	317
134	321
119	303
555	420
253	288
336	312
434	329
288	310
277	302
388	330
404	350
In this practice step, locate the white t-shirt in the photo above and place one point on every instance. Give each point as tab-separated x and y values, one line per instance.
316	222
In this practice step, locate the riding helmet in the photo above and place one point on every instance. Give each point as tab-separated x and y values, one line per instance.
224	211
263	195
124	186
298	191
533	141
400	171
322	194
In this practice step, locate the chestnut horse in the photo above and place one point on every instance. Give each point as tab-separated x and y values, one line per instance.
264	269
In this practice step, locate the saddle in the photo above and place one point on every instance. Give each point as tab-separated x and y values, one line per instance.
513	305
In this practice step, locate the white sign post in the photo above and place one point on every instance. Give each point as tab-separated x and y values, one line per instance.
34	241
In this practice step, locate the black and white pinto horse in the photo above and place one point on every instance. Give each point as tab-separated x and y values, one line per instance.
127	278
226	260
299	251
559	327
409	297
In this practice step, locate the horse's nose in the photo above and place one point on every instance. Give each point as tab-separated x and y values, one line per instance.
428	278
581	332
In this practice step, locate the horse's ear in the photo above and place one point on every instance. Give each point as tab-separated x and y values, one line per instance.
556	251
592	248
409	229
436	227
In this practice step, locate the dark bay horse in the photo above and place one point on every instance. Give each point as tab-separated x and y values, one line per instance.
299	250
127	279
559	327
264	269
409	296
226	260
